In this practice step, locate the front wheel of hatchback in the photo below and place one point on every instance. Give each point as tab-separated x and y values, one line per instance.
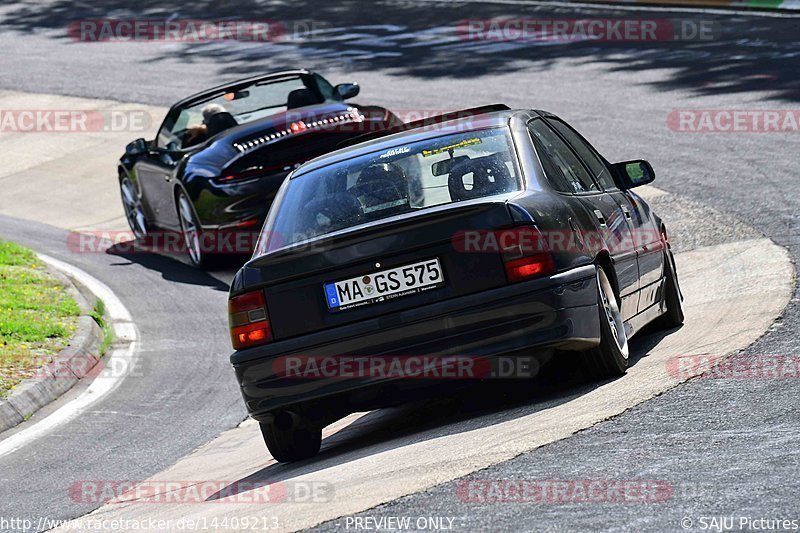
191	232
610	358
291	444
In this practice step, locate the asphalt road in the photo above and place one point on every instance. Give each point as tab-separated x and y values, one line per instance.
182	394
727	445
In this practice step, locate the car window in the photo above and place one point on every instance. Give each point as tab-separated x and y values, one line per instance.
199	122
324	86
586	152
554	176
166	138
570	167
392	181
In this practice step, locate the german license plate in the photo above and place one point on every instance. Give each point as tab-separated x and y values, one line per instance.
384	285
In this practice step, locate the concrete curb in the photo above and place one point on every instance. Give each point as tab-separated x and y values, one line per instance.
70	365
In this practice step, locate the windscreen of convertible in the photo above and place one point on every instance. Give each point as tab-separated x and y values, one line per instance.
393	181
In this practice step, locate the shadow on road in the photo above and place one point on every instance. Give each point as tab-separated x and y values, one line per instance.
716	54
173	268
443	413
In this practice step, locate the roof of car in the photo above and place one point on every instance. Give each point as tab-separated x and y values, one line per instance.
276	74
458	125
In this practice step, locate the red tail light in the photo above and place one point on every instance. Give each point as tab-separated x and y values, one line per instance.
246	174
529	267
525	252
247	317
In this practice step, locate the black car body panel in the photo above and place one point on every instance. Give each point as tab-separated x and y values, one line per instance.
557	312
294	281
478	313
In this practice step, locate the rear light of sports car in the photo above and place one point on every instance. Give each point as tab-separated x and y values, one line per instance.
526	254
247	317
352	115
245	174
260	171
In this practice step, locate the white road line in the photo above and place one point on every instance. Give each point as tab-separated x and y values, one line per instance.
121	358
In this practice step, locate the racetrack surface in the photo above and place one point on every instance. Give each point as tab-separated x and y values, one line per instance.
393	453
710	435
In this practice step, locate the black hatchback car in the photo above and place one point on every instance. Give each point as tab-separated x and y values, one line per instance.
523	240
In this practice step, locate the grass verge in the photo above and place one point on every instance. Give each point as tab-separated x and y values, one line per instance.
37	316
99	315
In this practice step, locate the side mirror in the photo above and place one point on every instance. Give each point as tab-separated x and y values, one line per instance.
634	173
344	91
137	147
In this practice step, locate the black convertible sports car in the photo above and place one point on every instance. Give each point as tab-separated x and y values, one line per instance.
220	156
524	240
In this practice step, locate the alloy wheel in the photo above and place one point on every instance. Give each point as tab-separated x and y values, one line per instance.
612	313
191	232
134	212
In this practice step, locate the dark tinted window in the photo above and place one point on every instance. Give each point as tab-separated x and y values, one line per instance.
586	152
554	175
573	175
391	181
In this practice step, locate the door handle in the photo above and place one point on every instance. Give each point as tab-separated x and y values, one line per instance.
626	212
600	217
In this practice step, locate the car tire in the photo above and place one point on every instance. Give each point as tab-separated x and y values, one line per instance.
610	358
293	444
191	232
673	316
134	211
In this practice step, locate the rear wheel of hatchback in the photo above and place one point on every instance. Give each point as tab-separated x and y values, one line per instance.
610	358
289	443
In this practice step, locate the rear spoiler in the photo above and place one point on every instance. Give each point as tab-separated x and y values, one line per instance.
424	122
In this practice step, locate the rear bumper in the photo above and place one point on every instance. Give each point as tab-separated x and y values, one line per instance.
559	311
224	206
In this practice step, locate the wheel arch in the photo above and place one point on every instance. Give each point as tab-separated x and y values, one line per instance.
176	191
662	228
604	261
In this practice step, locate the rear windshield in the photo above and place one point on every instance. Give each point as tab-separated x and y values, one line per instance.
393	181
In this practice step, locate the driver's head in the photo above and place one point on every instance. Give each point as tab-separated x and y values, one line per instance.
378	172
210	110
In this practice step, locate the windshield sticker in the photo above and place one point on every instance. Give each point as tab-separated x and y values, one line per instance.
396	151
461	144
